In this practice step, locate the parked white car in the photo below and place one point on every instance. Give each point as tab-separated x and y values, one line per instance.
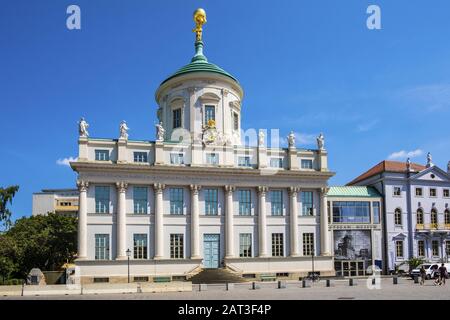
430	268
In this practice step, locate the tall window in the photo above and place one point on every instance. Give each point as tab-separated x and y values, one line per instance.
176	118
434	218
419	216
244	202
102	247
102	155
140	246
433	192
277	245
447	248
140	157
210	113
446	193
399	249
211	201
376	212
276	201
176	200
176	158
101	199
419	192
397	191
235	121
140	200
244	162
307	203
435	248
212	158
307	164
447	217
245	245
308	244
398	217
276	162
421	248
176	246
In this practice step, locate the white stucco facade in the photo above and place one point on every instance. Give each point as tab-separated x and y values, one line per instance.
192	160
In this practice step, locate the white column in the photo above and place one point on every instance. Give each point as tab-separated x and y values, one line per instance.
195	229
262	221
229	224
82	219
324	231
159	223
121	223
294	221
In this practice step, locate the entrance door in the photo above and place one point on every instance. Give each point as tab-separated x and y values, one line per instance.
211	251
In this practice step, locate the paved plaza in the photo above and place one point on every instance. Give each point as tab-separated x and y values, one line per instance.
405	289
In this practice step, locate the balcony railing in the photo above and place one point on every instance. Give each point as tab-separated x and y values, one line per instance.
433	226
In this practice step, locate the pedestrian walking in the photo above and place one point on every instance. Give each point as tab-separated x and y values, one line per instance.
442	274
423	275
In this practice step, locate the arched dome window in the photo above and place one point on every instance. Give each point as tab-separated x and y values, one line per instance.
419	216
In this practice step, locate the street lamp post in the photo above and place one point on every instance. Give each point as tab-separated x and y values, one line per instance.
312	260
128	255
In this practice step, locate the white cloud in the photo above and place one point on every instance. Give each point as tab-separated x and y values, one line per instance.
402	154
65	161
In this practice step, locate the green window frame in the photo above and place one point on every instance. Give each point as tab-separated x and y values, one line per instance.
245	202
140	246
276	200
101	155
176	200
245	245
211	202
101	246
102	199
307	203
140	200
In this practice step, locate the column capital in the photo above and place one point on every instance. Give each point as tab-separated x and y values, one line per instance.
121	186
82	185
229	189
262	190
293	190
324	191
195	188
159	187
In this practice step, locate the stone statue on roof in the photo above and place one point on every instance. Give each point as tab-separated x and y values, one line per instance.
321	142
159	132
82	128
291	140
123	129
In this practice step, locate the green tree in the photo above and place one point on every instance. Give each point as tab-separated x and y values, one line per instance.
44	242
6	196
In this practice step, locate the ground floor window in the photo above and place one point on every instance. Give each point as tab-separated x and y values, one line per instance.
399	249
421	248
140	246
447	248
102	247
245	245
308	244
277	245
176	246
350	268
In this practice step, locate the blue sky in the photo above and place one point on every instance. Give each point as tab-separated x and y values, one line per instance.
307	66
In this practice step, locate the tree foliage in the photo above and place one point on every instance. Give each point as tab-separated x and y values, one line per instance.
44	242
6	196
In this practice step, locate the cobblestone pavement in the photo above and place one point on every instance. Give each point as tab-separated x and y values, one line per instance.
405	289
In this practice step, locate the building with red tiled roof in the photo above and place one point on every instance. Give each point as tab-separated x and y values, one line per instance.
416	211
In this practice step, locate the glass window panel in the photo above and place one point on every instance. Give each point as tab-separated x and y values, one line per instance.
244	202
211	201
276	200
245	245
140	246
101	199
102	247
176	200
140	199
307	203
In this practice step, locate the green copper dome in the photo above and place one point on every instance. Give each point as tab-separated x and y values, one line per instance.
199	63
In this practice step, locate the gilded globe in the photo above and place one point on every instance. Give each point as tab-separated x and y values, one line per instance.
200	16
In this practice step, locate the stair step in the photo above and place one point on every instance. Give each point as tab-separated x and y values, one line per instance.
216	276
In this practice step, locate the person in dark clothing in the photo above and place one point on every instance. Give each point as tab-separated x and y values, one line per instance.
442	274
423	275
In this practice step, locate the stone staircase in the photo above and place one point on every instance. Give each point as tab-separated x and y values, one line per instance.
217	276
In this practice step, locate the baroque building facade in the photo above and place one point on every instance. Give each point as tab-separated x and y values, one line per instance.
416	213
196	198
